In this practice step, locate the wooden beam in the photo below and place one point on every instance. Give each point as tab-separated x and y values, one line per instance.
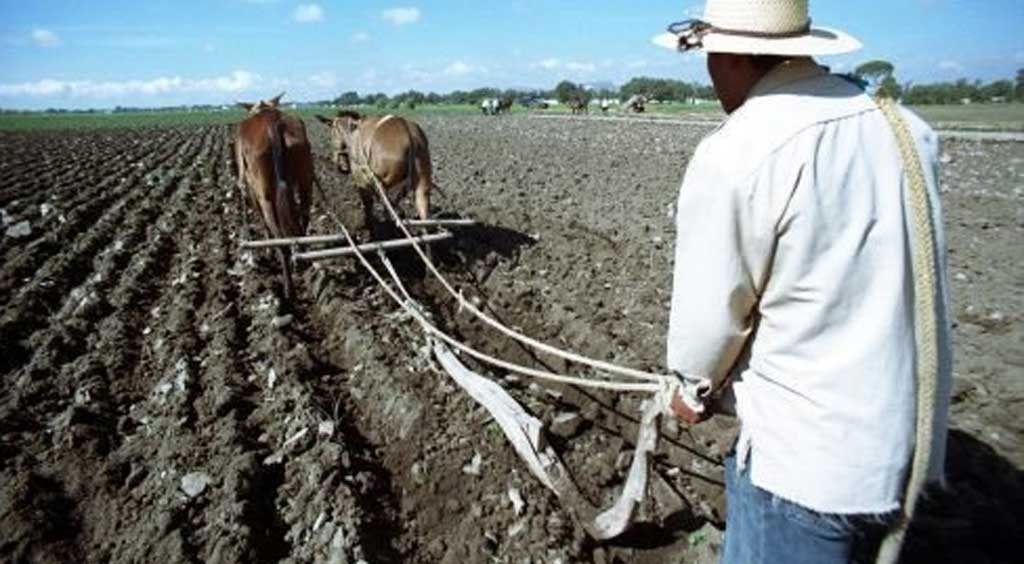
321	239
367	247
289	241
438	222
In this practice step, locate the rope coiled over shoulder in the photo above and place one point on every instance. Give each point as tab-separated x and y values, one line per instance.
923	261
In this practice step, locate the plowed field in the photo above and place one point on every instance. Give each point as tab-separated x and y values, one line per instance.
160	404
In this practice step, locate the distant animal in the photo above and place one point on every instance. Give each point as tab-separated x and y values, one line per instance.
489	106
392	149
605	103
504	105
578	106
636	104
275	168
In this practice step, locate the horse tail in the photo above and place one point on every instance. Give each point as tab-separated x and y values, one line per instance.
284	202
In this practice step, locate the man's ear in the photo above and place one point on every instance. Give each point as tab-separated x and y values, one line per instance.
246	105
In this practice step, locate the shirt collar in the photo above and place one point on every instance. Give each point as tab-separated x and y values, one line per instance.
791	71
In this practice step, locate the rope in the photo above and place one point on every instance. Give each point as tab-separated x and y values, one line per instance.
923	270
414	310
464	303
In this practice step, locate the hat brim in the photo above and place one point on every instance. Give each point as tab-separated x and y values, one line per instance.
818	41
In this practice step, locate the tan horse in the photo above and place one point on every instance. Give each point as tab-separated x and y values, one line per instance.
275	169
391	148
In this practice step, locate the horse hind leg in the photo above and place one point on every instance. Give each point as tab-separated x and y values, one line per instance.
284	254
423	198
369	222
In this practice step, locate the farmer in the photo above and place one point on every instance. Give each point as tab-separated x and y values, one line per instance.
793	290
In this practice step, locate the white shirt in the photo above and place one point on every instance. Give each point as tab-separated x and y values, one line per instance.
793	273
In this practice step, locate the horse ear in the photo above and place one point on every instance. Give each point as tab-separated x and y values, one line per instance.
325	120
247	106
273	102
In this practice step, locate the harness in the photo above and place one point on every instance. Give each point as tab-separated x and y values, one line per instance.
359	158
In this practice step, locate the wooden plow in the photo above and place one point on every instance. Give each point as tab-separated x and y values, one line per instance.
349	250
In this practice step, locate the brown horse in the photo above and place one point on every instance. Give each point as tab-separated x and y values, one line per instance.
578	106
392	149
274	161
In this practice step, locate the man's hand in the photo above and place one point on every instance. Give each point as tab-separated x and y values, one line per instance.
687	415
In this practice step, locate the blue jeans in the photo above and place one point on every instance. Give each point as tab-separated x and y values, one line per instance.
762	528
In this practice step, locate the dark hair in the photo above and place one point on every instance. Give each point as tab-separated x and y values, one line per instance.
765	63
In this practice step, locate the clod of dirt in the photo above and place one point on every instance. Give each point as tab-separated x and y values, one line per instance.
473	468
517	501
19	230
195	483
566	424
282	321
325	429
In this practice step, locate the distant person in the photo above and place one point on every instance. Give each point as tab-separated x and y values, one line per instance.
794	294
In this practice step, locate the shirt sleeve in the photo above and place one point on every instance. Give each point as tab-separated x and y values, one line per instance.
724	245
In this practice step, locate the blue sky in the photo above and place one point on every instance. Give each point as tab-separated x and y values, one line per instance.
102	53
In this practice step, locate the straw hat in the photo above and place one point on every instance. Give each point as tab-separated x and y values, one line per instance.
756	27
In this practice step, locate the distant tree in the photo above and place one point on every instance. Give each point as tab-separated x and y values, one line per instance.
875	71
1020	84
567	90
665	89
890	88
348	99
998	90
475	96
879	75
706	92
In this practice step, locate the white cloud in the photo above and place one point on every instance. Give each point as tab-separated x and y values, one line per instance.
325	79
458	68
45	38
401	16
360	37
554	64
549	64
580	67
309	13
237	81
951	65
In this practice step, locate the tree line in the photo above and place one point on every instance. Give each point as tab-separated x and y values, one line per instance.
878	76
656	88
